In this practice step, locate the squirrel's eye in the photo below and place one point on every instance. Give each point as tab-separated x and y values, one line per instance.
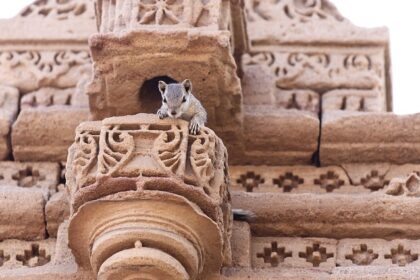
184	99
164	100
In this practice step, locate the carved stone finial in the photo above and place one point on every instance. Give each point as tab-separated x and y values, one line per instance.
138	176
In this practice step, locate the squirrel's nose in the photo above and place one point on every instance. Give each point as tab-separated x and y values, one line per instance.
173	113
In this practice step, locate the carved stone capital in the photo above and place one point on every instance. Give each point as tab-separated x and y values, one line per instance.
140	180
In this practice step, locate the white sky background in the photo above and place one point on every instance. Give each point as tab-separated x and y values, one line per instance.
402	18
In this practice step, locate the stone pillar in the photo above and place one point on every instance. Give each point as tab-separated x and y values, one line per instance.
148	199
141	42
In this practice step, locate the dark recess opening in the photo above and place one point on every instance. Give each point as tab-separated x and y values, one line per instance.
149	95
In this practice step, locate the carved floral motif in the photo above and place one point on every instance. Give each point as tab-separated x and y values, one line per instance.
121	14
160	11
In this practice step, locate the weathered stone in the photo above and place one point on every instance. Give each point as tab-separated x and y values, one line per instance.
57	210
353	101
378	252
165	179
22	213
309	45
45	45
278	144
292	179
45	134
47	97
39	175
19	254
9	104
317	253
332	215
55	20
241	244
369	138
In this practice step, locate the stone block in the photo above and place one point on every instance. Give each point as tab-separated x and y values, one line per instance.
40	175
241	244
292	179
369	138
22	214
51	21
45	134
378	252
57	210
269	140
352	100
46	97
311	46
272	252
292	21
45	45
16	254
376	215
9	105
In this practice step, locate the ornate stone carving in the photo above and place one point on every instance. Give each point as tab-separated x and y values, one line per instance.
299	11
156	192
130	14
30	69
321	70
56	9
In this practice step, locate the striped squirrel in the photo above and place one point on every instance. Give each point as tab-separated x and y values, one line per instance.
178	102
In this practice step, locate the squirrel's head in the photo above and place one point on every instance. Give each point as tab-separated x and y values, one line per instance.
176	97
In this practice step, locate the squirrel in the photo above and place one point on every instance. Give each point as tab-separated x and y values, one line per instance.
178	102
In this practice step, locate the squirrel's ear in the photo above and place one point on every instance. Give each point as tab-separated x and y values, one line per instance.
187	85
162	87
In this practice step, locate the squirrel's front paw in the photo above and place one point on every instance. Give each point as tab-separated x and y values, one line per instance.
195	127
162	114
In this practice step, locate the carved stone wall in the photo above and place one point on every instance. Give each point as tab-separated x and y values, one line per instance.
159	195
299	97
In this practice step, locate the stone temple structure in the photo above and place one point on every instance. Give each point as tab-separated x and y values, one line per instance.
301	132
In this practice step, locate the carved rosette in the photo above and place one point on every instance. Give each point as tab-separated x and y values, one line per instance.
148	199
121	15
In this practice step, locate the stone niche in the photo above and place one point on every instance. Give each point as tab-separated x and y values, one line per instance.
140	42
148	199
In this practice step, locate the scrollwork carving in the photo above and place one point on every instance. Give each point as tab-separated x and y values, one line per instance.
202	156
292	10
116	150
85	157
167	151
55	9
310	70
45	64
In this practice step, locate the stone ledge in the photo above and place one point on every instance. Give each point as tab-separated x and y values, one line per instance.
369	138
332	216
